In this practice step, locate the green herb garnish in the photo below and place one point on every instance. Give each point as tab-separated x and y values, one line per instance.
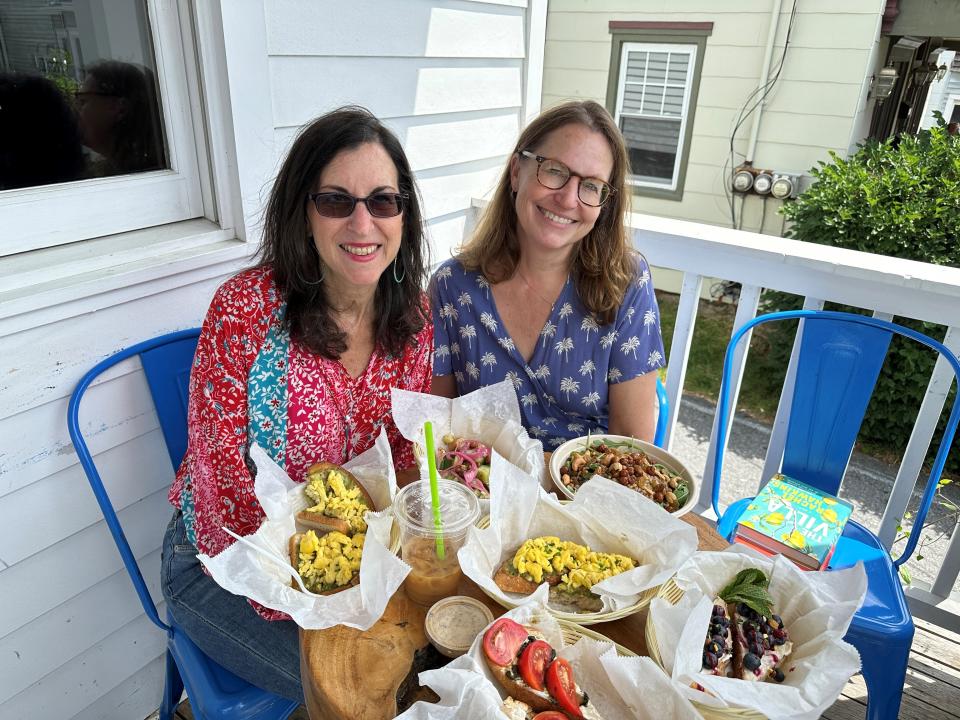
750	588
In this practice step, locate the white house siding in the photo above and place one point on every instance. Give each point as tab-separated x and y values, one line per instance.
810	112
447	77
453	79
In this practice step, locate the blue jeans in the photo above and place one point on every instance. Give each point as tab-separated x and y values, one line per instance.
264	653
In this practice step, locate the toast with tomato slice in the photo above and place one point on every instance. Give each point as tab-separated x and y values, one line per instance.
516	710
525	665
326	564
338	500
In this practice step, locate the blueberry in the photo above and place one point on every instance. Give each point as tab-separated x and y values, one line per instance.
778	675
751	661
719	640
710	660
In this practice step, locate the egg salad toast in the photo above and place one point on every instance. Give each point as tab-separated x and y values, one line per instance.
570	569
339	500
329	563
746	640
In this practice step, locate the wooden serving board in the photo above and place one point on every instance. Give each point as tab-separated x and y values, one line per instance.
349	673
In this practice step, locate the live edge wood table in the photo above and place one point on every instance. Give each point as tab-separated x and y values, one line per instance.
353	674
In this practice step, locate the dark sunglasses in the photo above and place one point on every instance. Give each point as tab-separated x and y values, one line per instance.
341	205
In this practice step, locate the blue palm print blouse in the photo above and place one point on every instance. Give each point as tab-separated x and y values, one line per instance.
563	391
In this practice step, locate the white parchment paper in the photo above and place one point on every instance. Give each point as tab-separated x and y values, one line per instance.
490	415
243	571
621	688
603	515
816	608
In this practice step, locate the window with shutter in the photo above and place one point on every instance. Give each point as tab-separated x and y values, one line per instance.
652	107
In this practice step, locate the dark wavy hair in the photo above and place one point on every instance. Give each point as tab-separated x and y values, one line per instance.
288	249
39	139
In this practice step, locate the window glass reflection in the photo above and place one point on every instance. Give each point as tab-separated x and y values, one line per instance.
78	92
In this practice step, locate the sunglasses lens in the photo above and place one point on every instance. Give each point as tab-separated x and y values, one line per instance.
335	205
385	205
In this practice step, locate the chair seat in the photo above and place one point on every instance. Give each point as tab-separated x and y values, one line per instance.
884	611
217	693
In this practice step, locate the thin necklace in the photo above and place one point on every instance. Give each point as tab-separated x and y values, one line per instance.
534	290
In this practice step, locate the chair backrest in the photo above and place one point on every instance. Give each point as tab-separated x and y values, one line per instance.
166	362
840	358
837	370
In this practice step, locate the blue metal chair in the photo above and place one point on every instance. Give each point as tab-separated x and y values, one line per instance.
663	411
214	692
839	360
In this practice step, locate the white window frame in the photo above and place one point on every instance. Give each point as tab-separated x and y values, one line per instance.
953	102
628	47
51	215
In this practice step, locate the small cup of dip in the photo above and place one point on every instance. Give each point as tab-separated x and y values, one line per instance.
453	623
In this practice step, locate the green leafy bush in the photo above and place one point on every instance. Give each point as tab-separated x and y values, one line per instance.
893	198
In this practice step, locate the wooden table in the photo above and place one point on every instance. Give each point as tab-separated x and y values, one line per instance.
349	673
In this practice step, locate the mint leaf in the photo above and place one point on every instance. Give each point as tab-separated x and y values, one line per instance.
750	588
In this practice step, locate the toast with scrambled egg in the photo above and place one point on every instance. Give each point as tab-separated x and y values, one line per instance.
329	563
571	571
339	501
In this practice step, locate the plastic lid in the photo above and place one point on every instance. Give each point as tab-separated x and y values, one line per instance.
459	507
452	624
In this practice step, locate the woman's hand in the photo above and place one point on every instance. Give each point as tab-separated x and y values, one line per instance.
632	407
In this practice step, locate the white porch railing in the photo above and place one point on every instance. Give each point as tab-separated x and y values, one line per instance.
887	286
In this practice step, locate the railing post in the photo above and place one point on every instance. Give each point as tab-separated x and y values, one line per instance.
778	435
920	438
678	353
746	311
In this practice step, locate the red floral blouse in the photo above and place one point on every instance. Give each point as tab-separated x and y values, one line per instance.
251	383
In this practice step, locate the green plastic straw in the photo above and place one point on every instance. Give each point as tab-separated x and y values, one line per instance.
434	491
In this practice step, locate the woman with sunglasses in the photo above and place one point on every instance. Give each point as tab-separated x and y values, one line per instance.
547	292
299	355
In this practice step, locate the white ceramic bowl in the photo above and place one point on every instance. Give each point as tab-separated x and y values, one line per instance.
658	455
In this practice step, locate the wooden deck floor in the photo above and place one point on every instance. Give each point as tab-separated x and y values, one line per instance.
932	690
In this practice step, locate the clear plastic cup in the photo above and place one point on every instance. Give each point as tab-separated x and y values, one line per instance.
432	578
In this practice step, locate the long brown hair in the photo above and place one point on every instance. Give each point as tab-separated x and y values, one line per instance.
602	264
288	249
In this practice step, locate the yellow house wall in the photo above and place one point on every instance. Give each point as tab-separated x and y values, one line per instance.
819	103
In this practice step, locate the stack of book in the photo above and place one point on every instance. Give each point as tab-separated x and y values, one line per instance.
793	519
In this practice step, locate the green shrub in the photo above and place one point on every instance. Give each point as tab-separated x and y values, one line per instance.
893	198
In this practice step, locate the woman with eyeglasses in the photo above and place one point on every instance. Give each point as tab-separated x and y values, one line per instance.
299	355
548	293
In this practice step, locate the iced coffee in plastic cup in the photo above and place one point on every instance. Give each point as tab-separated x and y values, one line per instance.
432	577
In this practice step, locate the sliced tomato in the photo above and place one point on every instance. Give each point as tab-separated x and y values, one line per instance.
533	663
550	715
560	684
502	641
